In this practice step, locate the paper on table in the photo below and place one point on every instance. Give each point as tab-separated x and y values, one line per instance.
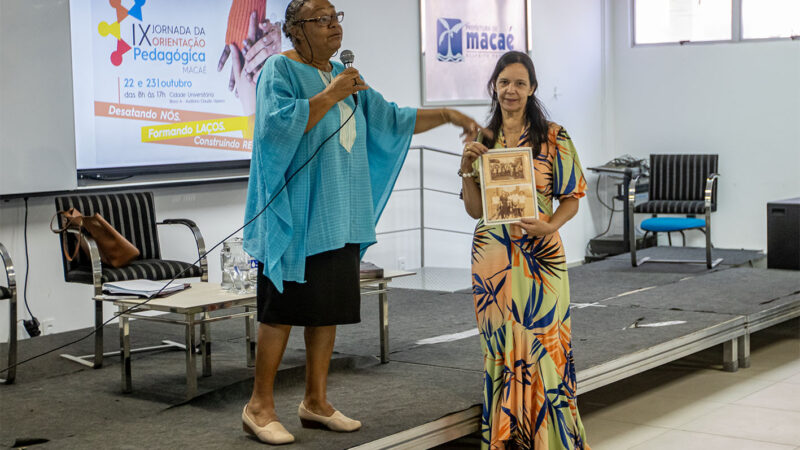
144	288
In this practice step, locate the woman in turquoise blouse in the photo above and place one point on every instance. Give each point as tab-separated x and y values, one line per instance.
310	239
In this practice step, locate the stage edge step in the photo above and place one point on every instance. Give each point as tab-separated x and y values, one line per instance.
431	434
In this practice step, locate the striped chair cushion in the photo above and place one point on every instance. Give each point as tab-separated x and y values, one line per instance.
671	207
4	293
138	270
680	178
132	214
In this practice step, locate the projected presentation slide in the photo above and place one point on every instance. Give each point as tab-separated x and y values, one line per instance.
161	82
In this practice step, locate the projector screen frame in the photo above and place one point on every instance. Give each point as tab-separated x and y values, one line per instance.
110	173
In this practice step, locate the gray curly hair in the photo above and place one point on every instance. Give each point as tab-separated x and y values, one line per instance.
292	10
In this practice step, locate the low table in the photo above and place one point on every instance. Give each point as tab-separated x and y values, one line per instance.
202	299
370	286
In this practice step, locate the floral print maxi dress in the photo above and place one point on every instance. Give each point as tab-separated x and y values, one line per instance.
521	295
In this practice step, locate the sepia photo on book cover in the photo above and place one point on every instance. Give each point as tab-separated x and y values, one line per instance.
508	187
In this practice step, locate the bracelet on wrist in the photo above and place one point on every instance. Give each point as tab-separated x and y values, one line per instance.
444	115
463	174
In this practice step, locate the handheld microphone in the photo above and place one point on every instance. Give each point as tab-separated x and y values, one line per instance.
347	58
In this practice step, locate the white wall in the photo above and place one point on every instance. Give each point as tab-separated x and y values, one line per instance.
740	100
568	55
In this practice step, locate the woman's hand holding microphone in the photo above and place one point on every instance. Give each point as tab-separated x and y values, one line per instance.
348	82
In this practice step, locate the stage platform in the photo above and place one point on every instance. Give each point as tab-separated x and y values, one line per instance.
625	321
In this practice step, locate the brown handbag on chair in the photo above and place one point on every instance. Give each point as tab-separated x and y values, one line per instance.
114	249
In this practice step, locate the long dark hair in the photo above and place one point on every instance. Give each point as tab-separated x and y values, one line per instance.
534	111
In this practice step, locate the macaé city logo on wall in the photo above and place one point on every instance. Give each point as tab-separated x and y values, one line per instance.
106	29
449	40
456	39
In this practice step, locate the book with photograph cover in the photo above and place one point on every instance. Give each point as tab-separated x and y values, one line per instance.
508	186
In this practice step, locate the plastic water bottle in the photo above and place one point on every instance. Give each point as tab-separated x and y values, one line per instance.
231	255
252	276
225	262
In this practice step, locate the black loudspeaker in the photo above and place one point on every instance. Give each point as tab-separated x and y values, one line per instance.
783	234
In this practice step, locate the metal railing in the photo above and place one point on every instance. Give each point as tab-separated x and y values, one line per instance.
422	189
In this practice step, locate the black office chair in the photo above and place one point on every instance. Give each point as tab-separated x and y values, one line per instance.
133	215
683	185
10	293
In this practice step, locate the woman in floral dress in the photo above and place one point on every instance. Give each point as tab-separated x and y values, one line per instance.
519	276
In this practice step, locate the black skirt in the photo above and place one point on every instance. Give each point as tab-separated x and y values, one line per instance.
331	294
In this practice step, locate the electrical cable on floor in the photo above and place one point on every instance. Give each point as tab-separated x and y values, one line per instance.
597	195
32	325
134	308
608	228
611	208
610	218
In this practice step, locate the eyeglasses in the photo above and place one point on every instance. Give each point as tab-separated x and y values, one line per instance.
324	21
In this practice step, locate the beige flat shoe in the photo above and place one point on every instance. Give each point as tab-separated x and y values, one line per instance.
336	422
272	433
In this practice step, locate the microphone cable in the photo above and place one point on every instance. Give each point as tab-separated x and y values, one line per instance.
134	308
